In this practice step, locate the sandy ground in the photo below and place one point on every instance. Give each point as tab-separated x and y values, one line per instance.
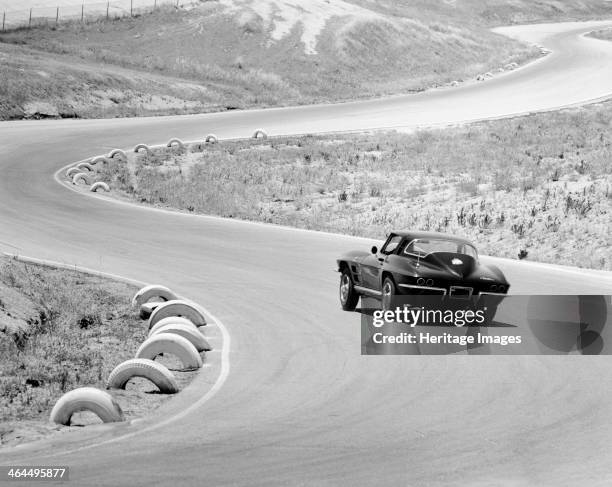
282	16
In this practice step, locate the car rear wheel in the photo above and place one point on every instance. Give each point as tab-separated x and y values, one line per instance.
348	296
388	294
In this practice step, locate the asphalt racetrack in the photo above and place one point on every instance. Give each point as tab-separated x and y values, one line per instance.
300	405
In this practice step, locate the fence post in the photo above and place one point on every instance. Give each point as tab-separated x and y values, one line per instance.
3	20
30	21
82	11
155	5
57	16
131	8
107	7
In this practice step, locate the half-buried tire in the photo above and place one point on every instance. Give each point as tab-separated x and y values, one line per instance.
189	332
72	171
97	159
260	134
178	307
80	176
117	152
174	344
178	142
99	185
84	165
142	146
211	139
86	399
142	367
171	320
153	291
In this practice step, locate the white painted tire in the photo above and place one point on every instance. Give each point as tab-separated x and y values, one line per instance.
211	139
176	141
157	373
98	159
174	344
86	399
99	185
178	307
79	176
259	132
72	171
153	291
189	332
85	165
117	152
142	146
171	320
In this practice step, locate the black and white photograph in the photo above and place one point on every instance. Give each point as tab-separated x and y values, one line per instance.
306	243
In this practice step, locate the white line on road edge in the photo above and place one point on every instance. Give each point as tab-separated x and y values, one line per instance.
225	362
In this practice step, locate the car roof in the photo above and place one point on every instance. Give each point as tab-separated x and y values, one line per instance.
410	235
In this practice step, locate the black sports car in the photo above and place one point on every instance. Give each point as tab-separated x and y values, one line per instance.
418	263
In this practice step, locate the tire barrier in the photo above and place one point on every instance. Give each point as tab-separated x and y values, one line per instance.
177	307
146	309
142	146
91	399
177	142
72	171
85	165
117	152
78	176
174	344
211	139
153	291
171	320
157	373
100	184
480	77
259	132
189	332
97	159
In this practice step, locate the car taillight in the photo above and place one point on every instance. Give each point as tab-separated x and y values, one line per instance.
420	281
429	282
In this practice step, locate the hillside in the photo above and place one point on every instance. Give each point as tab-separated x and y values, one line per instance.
240	53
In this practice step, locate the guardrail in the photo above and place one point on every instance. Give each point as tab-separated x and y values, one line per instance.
83	12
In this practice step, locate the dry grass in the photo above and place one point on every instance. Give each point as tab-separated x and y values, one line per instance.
539	184
83	327
34	84
208	59
175	61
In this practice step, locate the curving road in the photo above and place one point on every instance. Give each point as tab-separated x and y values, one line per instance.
301	405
